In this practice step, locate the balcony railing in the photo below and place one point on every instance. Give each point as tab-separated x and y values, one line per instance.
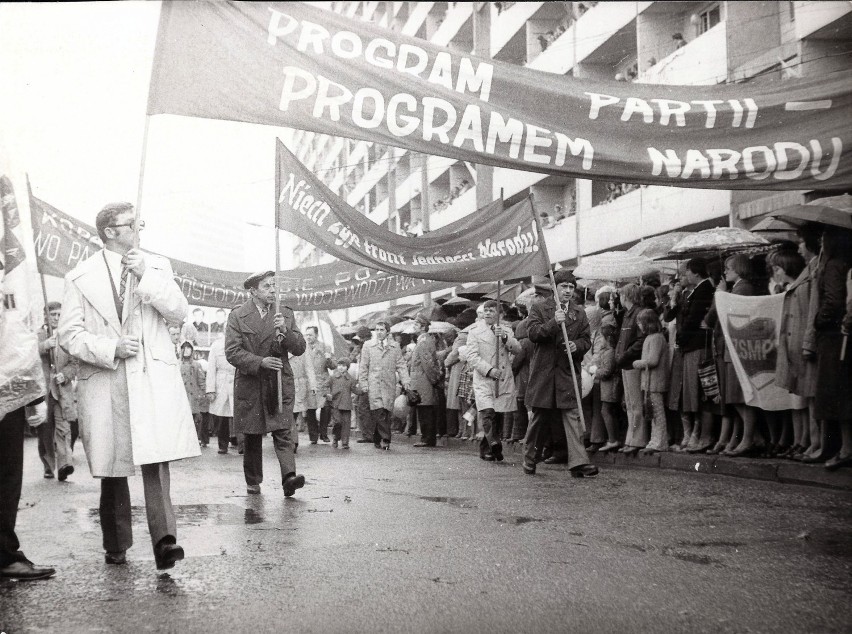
703	61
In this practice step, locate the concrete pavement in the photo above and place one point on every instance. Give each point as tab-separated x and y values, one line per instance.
436	540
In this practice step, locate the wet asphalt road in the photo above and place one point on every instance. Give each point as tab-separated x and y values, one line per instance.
438	541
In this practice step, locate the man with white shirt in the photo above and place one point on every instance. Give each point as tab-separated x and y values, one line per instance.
132	405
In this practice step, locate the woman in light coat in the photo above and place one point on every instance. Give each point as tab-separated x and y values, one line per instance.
305	381
220	393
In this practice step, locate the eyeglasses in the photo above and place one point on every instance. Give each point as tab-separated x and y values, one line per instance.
129	224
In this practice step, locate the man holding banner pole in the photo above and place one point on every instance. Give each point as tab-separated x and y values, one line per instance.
257	343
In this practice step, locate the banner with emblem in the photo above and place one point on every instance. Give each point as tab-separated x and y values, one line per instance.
751	326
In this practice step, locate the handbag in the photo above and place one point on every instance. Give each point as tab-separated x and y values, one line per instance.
707	374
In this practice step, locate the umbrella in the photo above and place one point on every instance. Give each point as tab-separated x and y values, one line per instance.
718	240
526	297
347	331
508	293
770	224
477	290
834	210
456	305
657	246
440	327
407	327
614	265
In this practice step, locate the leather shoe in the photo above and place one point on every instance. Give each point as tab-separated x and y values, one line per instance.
422	444
325	439
48	475
497	452
529	470
165	555
25	571
556	460
291	483
64	472
253	489
116	559
838	461
584	471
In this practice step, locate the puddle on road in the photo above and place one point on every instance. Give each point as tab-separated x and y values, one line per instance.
462	503
518	519
185	514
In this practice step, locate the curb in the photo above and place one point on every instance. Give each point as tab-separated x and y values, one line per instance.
782	471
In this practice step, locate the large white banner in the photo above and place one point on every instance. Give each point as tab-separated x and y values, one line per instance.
751	326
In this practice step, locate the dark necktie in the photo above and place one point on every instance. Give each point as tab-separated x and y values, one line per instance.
122	290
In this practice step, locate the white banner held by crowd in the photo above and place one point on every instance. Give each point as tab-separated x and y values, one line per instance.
751	326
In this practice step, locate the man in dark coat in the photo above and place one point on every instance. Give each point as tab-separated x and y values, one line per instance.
550	385
256	344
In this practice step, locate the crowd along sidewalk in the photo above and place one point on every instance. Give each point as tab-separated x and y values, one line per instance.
784	471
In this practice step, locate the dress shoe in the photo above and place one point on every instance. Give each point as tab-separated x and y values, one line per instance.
64	472
529	469
497	452
325	439
747	452
717	449
608	447
832	464
116	559
422	444
253	489
362	441
556	460
223	451
699	449
584	471
291	483
48	475
165	555
488	457
25	571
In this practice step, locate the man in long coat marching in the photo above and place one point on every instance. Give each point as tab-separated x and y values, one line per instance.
551	388
380	368
256	344
132	406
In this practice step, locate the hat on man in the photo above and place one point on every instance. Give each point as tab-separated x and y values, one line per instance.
542	284
364	333
563	276
253	280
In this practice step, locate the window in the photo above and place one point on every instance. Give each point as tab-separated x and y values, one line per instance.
709	18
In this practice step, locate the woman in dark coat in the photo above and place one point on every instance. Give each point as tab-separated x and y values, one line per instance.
833	402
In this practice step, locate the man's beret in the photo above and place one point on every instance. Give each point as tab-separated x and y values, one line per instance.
253	280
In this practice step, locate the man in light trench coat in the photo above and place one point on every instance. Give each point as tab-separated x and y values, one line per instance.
132	405
380	367
256	344
490	347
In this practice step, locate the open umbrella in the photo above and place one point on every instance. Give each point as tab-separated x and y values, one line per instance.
477	290
526	297
440	327
455	305
508	292
657	246
613	266
407	327
717	241
834	210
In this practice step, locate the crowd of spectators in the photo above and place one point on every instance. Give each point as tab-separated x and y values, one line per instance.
658	375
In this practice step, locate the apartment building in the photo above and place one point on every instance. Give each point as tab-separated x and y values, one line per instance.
686	43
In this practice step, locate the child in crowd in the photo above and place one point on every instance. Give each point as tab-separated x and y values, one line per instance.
655	372
608	377
343	386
